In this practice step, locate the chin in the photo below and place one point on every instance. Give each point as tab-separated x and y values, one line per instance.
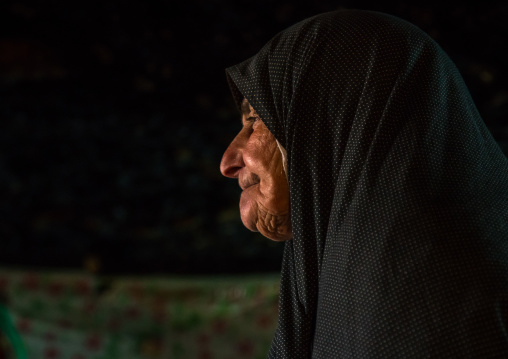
248	212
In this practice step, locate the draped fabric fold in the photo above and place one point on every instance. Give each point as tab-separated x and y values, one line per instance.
399	193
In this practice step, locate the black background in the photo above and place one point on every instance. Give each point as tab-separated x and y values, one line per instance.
114	116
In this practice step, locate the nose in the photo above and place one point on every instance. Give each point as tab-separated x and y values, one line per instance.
232	160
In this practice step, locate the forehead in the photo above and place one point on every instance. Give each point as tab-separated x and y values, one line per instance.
245	107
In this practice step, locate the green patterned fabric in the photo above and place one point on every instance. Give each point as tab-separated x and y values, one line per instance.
80	316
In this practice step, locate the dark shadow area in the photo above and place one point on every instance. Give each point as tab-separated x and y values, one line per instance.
114	117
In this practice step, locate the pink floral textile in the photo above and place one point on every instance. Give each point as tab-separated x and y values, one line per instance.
80	316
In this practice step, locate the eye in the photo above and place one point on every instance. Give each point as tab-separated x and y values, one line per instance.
249	123
252	119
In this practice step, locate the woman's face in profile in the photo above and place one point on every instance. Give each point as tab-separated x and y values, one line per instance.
254	158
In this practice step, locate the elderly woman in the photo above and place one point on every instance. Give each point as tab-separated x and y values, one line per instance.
392	196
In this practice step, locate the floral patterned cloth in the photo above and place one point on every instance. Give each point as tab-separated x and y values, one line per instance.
80	316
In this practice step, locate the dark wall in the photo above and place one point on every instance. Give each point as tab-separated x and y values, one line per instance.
115	114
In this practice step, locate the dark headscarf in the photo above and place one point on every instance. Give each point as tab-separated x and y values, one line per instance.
399	194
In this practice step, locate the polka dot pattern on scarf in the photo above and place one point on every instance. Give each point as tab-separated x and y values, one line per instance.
399	193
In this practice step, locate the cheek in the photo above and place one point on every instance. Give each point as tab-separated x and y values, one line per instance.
260	152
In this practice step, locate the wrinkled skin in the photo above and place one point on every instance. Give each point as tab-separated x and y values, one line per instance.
254	158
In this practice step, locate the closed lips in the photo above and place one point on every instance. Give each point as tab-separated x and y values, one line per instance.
244	187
